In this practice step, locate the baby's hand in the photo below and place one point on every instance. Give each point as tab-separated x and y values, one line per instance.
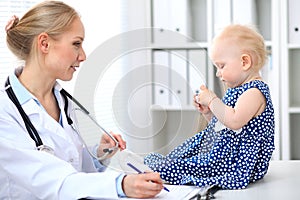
205	96
196	99
201	108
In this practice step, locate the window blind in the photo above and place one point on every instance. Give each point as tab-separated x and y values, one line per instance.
9	8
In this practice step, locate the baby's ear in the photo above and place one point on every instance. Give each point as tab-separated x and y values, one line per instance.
246	61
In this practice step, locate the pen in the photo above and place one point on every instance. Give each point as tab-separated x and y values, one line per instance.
139	171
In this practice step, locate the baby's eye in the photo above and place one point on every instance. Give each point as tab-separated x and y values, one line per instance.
219	66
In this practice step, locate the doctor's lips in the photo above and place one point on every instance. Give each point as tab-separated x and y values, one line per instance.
74	67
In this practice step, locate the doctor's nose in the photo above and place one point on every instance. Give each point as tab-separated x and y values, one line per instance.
81	55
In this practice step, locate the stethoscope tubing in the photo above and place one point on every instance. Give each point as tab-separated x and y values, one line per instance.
34	134
106	151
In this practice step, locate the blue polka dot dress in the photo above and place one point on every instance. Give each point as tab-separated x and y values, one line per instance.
230	159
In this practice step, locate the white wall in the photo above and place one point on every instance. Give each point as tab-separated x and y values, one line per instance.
131	117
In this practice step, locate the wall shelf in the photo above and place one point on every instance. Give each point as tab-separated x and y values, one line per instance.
198	21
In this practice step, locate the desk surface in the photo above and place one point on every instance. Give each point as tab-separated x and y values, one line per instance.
281	182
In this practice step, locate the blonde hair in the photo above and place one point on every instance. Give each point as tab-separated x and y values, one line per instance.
51	17
249	40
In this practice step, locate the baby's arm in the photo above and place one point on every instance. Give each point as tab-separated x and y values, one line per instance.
250	104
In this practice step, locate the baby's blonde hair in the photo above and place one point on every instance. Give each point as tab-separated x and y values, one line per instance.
51	17
249	40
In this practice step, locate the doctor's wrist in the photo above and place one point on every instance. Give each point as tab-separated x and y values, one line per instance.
120	185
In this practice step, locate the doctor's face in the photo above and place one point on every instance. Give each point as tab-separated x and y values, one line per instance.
66	52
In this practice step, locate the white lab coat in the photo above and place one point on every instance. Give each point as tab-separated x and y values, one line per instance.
26	173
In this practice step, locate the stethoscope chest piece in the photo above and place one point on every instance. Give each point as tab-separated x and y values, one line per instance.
46	149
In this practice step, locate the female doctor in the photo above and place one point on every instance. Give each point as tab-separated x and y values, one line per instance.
49	39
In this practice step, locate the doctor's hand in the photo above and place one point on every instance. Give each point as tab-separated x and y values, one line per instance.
107	142
144	185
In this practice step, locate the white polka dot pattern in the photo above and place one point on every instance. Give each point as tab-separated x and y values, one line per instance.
225	158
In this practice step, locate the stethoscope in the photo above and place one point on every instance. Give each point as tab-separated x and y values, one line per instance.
34	134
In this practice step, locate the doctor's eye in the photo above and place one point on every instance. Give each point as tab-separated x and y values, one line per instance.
77	44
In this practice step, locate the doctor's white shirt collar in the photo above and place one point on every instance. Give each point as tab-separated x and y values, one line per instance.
23	95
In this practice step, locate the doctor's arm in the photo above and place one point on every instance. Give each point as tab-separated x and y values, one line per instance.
42	175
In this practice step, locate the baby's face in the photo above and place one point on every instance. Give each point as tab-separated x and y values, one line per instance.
227	58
